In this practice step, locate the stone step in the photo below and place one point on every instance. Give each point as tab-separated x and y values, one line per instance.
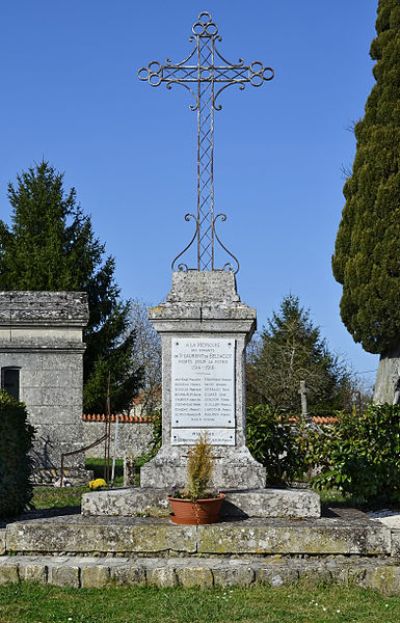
85	572
135	537
265	503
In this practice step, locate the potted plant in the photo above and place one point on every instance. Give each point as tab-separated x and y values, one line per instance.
197	503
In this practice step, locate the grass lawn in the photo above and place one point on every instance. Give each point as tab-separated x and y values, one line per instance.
39	604
67	497
52	497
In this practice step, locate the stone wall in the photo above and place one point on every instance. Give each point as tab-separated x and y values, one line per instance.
135	435
51	387
41	338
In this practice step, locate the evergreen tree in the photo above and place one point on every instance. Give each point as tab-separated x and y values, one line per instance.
367	253
291	350
50	245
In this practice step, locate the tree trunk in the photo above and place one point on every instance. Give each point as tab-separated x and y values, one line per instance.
387	384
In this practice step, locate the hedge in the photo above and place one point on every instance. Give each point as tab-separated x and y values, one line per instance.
16	437
361	456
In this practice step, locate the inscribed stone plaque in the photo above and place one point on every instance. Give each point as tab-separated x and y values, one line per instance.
216	436
203	389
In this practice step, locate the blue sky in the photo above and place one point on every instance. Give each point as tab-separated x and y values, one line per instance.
69	94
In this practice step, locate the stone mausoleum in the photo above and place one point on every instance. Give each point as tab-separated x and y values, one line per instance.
41	351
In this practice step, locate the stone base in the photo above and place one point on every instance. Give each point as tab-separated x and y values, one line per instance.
235	469
73	476
90	552
140	537
133	502
100	572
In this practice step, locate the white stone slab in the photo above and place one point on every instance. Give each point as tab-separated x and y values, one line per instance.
203	383
389	518
215	436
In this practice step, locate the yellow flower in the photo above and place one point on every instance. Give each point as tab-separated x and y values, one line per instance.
98	483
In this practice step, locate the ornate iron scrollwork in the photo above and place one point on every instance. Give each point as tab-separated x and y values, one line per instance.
205	74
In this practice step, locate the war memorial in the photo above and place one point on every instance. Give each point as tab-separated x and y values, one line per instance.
270	536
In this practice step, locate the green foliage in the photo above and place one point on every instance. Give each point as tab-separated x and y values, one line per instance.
361	455
367	252
292	350
50	245
200	469
157	433
274	442
16	437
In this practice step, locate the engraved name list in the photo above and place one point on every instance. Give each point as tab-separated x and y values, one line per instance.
203	390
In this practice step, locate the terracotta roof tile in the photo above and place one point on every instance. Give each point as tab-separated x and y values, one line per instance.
318	419
122	417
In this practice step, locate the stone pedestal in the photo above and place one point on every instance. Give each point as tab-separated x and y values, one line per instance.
204	328
238	504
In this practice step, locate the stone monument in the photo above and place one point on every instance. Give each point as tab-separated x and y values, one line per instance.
41	350
204	327
204	330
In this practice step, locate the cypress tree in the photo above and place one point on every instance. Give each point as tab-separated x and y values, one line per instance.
367	252
50	245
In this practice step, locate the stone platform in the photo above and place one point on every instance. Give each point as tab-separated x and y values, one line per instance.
266	503
142	537
79	551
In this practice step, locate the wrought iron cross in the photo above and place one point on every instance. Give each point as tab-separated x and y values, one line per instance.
205	73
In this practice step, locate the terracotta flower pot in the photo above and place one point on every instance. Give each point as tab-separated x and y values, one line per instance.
198	512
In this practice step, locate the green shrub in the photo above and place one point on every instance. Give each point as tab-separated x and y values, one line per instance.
361	455
200	468
156	441
276	443
16	437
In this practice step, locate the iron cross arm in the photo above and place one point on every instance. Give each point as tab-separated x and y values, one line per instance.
205	73
224	75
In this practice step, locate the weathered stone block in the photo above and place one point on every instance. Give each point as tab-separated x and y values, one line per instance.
314	576
297	503
128	575
96	576
350	575
2	542
234	576
192	577
163	577
9	573
135	501
276	577
33	572
396	544
386	580
321	536
64	575
101	535
192	286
